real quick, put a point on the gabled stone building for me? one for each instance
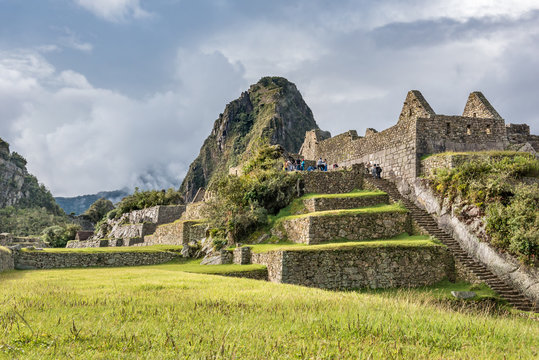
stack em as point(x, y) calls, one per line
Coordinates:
point(419, 132)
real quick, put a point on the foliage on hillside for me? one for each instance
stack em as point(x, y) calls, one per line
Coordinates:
point(511, 207)
point(57, 236)
point(98, 210)
point(145, 199)
point(38, 196)
point(32, 207)
point(241, 203)
point(29, 221)
point(270, 112)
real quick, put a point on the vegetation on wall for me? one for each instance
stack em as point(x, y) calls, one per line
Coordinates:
point(241, 203)
point(145, 199)
point(510, 206)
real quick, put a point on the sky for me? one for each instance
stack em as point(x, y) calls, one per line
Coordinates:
point(106, 94)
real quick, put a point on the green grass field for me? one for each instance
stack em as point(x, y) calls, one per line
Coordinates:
point(164, 312)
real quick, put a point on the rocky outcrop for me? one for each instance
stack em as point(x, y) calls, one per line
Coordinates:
point(18, 187)
point(271, 111)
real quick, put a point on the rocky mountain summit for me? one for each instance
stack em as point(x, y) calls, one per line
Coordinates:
point(272, 111)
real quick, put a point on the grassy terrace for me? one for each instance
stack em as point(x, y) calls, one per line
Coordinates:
point(356, 193)
point(5, 250)
point(153, 248)
point(164, 312)
point(404, 240)
point(365, 210)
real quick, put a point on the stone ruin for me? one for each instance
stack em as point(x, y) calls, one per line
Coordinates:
point(420, 131)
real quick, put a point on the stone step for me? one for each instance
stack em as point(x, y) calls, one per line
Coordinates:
point(427, 223)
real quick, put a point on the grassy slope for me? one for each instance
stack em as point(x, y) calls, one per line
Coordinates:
point(161, 312)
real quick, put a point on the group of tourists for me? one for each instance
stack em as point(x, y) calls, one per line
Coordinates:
point(299, 165)
point(374, 169)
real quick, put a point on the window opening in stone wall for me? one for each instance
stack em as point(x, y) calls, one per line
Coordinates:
point(474, 115)
point(487, 130)
point(447, 128)
point(409, 112)
point(468, 130)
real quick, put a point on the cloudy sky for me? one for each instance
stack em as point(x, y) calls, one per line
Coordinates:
point(103, 94)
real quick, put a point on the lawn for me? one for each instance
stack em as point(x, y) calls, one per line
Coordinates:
point(163, 312)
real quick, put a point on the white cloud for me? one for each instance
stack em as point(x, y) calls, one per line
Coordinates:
point(81, 139)
point(114, 10)
point(266, 48)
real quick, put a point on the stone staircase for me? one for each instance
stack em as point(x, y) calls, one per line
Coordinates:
point(479, 270)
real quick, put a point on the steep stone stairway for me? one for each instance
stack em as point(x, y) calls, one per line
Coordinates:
point(427, 222)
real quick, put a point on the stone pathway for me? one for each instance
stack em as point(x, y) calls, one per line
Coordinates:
point(429, 224)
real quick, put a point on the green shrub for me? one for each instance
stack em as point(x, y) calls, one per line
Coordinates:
point(494, 185)
point(58, 236)
point(145, 199)
point(28, 221)
point(98, 210)
point(242, 203)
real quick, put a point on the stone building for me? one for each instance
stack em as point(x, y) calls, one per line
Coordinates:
point(419, 132)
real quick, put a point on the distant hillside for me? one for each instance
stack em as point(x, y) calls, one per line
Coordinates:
point(272, 111)
point(80, 204)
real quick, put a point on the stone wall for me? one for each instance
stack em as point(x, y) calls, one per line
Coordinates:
point(372, 267)
point(132, 230)
point(456, 133)
point(7, 239)
point(503, 265)
point(242, 255)
point(194, 211)
point(332, 182)
point(419, 131)
point(322, 204)
point(520, 133)
point(273, 260)
point(25, 260)
point(156, 214)
point(363, 226)
point(6, 259)
point(180, 232)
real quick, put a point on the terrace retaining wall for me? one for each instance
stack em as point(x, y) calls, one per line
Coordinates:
point(332, 182)
point(26, 260)
point(322, 204)
point(372, 267)
point(362, 226)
